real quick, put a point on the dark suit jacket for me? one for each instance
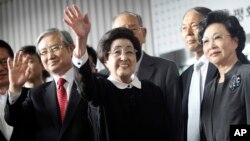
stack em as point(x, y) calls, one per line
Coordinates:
point(19, 131)
point(164, 73)
point(40, 112)
point(185, 81)
point(226, 104)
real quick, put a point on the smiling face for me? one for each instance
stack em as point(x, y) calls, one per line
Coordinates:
point(189, 30)
point(57, 59)
point(218, 45)
point(121, 60)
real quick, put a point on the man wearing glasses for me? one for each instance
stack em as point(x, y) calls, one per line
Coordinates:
point(5, 53)
point(55, 110)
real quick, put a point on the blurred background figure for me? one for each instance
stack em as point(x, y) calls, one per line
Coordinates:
point(35, 65)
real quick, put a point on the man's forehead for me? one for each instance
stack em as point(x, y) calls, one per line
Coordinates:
point(49, 39)
point(191, 17)
point(125, 20)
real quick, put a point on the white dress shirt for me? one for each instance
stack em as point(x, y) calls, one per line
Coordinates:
point(4, 127)
point(204, 68)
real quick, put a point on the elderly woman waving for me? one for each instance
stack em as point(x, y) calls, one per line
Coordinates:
point(132, 109)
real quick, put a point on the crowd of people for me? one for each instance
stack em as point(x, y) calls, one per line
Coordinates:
point(137, 97)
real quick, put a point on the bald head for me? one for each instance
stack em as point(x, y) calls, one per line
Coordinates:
point(133, 22)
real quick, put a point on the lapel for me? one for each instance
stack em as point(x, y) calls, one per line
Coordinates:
point(52, 104)
point(146, 69)
point(187, 81)
point(73, 103)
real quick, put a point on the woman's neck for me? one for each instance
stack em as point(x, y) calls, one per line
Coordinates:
point(223, 69)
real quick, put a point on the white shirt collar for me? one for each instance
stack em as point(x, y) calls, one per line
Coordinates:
point(67, 76)
point(135, 82)
point(203, 59)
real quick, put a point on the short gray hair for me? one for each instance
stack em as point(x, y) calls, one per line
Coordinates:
point(64, 36)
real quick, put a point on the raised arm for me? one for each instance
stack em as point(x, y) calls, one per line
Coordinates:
point(79, 23)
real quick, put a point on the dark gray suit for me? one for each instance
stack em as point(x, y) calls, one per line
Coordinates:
point(40, 112)
point(185, 81)
point(226, 104)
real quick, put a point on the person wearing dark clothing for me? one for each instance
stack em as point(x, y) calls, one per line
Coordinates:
point(226, 98)
point(132, 109)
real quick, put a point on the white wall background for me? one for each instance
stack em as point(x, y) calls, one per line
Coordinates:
point(21, 21)
point(167, 18)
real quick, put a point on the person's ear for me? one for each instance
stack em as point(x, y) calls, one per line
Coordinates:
point(235, 41)
point(144, 31)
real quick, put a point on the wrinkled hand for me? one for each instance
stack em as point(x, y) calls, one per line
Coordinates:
point(78, 22)
point(18, 72)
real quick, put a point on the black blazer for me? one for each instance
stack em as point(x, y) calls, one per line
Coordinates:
point(19, 131)
point(40, 113)
point(185, 81)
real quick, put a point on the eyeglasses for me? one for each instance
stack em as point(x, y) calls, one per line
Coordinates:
point(119, 52)
point(134, 29)
point(53, 49)
point(218, 38)
point(3, 62)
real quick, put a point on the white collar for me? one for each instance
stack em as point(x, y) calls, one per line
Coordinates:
point(67, 76)
point(203, 59)
point(135, 82)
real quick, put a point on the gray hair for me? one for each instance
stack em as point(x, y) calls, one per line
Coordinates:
point(64, 36)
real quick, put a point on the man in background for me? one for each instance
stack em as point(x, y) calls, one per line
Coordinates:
point(35, 65)
point(189, 30)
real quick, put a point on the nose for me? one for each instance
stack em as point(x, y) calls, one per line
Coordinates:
point(123, 56)
point(50, 54)
point(189, 30)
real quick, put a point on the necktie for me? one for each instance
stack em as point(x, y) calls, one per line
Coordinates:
point(194, 101)
point(62, 97)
